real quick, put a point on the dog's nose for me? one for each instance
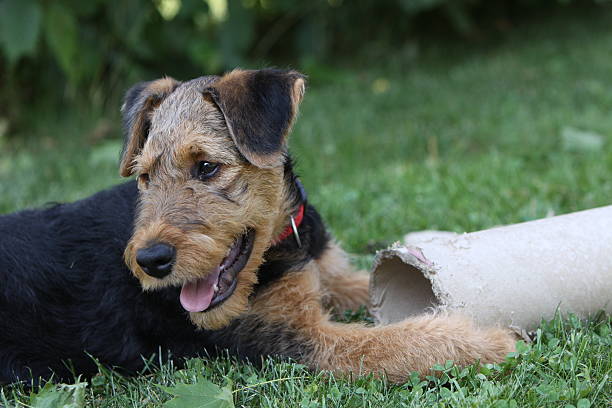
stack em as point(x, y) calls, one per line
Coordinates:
point(156, 260)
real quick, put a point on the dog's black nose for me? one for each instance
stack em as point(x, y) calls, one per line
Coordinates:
point(156, 260)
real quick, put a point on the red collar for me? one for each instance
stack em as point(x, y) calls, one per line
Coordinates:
point(292, 227)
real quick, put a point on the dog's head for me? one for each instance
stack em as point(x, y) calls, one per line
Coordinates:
point(209, 156)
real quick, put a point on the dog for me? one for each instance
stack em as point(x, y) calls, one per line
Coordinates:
point(213, 247)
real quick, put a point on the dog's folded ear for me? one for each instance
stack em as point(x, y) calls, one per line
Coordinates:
point(259, 107)
point(138, 104)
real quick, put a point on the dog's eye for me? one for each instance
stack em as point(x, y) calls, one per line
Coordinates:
point(206, 170)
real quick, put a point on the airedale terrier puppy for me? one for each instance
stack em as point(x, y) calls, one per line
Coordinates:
point(227, 252)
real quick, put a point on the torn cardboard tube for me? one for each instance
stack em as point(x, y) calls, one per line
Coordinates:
point(511, 276)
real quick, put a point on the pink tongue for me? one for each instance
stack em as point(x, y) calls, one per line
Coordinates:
point(196, 296)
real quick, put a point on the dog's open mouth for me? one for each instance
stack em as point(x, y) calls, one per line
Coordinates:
point(210, 291)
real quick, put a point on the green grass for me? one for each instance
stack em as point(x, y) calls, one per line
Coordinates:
point(459, 139)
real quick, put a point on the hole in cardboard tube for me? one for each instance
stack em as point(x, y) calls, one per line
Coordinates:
point(402, 291)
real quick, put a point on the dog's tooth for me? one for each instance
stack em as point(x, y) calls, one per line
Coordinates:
point(216, 287)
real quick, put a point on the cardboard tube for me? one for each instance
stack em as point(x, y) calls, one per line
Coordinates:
point(512, 276)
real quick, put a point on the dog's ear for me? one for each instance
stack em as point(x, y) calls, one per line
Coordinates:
point(259, 108)
point(138, 104)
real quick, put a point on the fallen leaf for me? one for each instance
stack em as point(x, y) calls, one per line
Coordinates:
point(59, 396)
point(202, 394)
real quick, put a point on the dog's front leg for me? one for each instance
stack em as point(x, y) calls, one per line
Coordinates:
point(342, 287)
point(294, 302)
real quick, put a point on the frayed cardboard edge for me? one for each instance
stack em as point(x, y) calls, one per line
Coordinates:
point(412, 257)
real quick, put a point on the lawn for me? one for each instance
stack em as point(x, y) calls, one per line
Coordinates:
point(460, 138)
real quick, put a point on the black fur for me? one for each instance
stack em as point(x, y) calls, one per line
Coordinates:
point(67, 293)
point(258, 109)
point(287, 256)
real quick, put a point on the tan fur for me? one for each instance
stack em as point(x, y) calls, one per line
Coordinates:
point(342, 289)
point(297, 94)
point(150, 99)
point(177, 209)
point(395, 350)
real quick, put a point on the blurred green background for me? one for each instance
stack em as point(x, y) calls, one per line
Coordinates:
point(420, 114)
point(61, 50)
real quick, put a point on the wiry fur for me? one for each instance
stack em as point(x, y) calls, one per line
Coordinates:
point(67, 291)
point(394, 350)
